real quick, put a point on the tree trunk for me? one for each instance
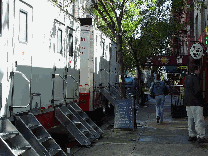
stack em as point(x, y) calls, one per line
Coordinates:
point(121, 66)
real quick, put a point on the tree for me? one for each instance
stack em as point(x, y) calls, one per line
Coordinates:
point(151, 38)
point(118, 19)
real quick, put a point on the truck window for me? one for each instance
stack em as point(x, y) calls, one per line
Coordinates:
point(103, 48)
point(23, 27)
point(59, 41)
point(70, 45)
point(0, 17)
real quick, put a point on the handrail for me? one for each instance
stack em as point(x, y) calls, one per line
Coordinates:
point(20, 106)
point(73, 78)
point(64, 88)
point(77, 86)
point(61, 77)
point(23, 75)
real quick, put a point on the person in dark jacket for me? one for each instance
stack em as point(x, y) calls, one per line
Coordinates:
point(193, 100)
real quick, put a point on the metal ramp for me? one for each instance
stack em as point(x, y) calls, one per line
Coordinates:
point(12, 143)
point(113, 94)
point(110, 97)
point(37, 136)
point(85, 120)
point(74, 126)
point(115, 90)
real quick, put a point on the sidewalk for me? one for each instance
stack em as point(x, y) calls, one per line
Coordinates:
point(169, 138)
point(150, 138)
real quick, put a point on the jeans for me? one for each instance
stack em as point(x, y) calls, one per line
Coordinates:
point(196, 123)
point(160, 99)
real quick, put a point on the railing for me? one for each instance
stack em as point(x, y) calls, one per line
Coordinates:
point(64, 89)
point(12, 78)
point(75, 89)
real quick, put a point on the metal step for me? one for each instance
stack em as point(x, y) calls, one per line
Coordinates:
point(21, 150)
point(44, 139)
point(12, 142)
point(77, 122)
point(8, 135)
point(73, 125)
point(85, 120)
point(52, 148)
point(36, 135)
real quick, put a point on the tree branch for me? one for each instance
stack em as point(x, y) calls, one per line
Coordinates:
point(106, 12)
point(103, 18)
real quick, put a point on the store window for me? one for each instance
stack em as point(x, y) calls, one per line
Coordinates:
point(59, 41)
point(23, 27)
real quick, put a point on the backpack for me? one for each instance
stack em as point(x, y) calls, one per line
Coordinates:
point(165, 90)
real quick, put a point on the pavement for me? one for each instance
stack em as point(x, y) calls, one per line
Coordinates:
point(149, 139)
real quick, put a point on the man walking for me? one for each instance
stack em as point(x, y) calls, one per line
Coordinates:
point(193, 100)
point(158, 88)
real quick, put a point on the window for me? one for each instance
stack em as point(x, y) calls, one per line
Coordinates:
point(196, 24)
point(23, 27)
point(103, 48)
point(0, 17)
point(59, 41)
point(116, 57)
point(110, 50)
point(70, 45)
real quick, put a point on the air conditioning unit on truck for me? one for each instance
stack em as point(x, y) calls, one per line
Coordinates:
point(39, 76)
point(98, 67)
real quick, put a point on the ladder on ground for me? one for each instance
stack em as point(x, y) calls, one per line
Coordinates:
point(12, 143)
point(78, 124)
point(37, 136)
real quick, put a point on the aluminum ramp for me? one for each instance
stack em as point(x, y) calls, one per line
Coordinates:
point(85, 120)
point(12, 143)
point(38, 136)
point(113, 94)
point(117, 92)
point(74, 126)
point(111, 98)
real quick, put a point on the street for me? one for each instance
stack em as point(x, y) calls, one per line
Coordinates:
point(150, 138)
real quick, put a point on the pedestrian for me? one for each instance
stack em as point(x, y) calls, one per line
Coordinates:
point(158, 88)
point(193, 100)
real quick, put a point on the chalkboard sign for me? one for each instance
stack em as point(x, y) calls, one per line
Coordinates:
point(124, 114)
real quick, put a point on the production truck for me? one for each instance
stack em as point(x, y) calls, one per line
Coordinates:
point(98, 68)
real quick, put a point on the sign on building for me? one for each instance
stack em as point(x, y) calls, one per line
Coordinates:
point(196, 51)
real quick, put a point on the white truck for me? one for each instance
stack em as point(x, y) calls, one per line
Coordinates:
point(98, 66)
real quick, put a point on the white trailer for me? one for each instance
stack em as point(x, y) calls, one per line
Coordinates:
point(98, 67)
point(39, 75)
point(38, 39)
